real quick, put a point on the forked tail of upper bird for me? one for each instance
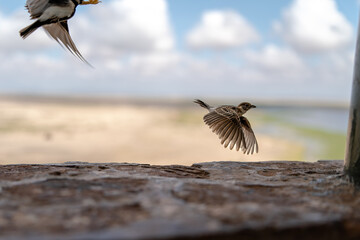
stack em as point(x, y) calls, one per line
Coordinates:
point(26, 31)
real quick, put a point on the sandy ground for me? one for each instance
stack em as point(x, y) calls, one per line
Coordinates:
point(34, 132)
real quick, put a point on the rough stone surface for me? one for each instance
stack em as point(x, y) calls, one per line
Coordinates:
point(219, 200)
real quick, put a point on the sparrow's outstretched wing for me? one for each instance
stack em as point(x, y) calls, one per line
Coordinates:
point(60, 32)
point(36, 7)
point(249, 136)
point(232, 129)
point(227, 127)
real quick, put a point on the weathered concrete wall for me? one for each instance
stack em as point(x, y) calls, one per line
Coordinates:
point(221, 200)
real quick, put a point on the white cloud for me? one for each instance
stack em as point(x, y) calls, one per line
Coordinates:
point(273, 58)
point(314, 26)
point(274, 64)
point(154, 63)
point(10, 40)
point(221, 30)
point(126, 26)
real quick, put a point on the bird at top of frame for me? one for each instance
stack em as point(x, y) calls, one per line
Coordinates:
point(53, 16)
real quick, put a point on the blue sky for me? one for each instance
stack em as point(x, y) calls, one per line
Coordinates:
point(183, 48)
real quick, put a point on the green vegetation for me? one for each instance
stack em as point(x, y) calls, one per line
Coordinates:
point(12, 125)
point(331, 144)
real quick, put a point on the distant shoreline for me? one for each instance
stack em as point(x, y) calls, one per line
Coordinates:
point(165, 101)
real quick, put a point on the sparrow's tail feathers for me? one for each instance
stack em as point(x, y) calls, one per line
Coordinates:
point(25, 32)
point(202, 104)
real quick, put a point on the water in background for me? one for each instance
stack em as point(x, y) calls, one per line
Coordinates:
point(320, 131)
point(328, 119)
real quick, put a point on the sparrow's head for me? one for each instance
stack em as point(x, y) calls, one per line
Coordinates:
point(245, 106)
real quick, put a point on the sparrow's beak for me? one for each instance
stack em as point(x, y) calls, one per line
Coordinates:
point(253, 106)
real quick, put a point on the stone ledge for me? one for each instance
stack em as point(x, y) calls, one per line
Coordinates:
point(218, 200)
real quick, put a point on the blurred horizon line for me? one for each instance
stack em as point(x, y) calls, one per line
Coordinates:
point(170, 101)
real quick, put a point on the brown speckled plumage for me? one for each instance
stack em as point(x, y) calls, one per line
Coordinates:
point(232, 128)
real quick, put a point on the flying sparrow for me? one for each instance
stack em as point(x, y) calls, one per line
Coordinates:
point(232, 128)
point(52, 15)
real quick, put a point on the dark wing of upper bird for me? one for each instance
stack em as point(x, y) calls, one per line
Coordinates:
point(60, 32)
point(232, 129)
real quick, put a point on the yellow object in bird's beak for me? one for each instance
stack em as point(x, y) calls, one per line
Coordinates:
point(90, 2)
